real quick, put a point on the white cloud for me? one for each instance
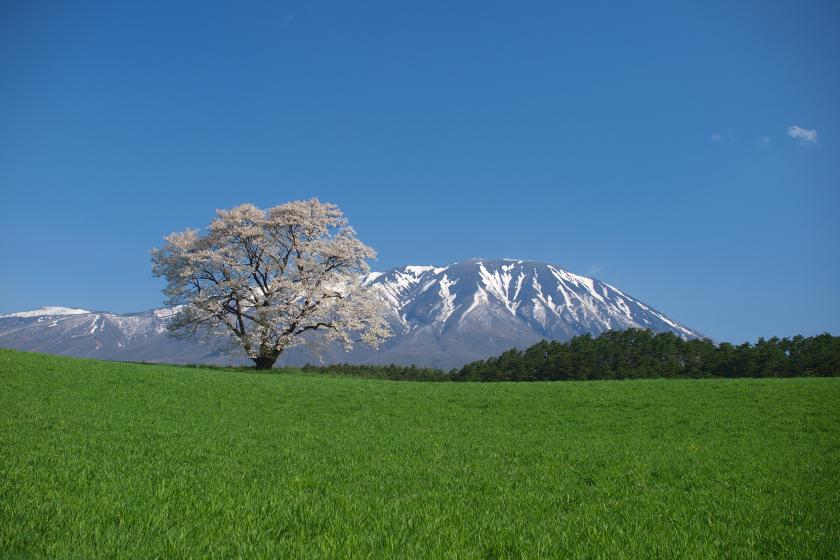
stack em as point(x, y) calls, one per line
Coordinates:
point(764, 139)
point(804, 136)
point(715, 137)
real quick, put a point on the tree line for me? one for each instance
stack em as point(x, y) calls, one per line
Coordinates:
point(631, 354)
point(637, 353)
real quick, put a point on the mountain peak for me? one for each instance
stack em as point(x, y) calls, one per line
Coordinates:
point(47, 312)
point(552, 301)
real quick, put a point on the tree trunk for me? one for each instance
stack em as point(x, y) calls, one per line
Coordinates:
point(265, 362)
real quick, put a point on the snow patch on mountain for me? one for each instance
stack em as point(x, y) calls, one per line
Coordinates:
point(47, 312)
point(447, 299)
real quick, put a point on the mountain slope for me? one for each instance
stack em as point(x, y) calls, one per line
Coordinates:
point(108, 336)
point(440, 316)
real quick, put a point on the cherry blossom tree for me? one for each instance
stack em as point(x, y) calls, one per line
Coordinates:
point(270, 279)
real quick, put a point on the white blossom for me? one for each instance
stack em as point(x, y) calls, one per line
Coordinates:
point(268, 278)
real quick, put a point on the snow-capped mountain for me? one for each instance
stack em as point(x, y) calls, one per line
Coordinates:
point(47, 311)
point(450, 315)
point(440, 316)
point(108, 336)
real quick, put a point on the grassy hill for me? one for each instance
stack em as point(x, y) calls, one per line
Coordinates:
point(114, 460)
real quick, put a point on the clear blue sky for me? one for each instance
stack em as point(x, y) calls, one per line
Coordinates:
point(646, 145)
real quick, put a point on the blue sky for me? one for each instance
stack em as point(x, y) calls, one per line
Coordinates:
point(648, 144)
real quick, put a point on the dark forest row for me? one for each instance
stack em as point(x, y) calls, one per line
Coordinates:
point(630, 354)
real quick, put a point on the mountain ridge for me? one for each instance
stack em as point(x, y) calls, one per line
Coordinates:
point(441, 316)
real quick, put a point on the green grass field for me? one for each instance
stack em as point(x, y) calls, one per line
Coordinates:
point(107, 460)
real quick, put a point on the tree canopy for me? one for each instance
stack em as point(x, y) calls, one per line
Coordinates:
point(630, 354)
point(268, 279)
point(637, 353)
